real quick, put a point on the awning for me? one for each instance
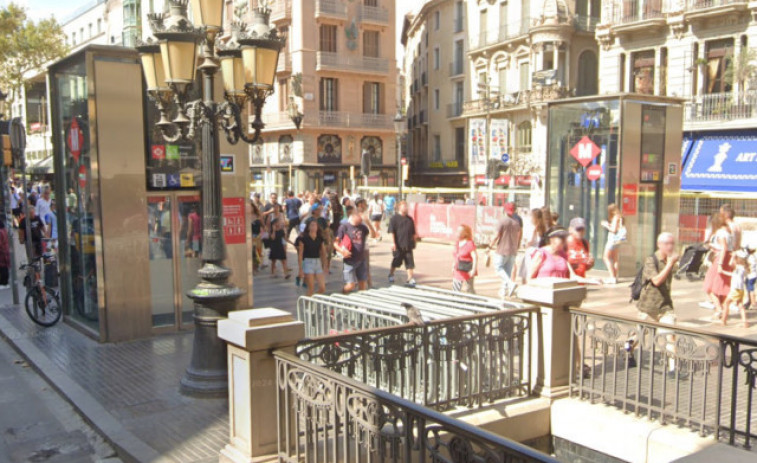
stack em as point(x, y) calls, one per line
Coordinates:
point(45, 166)
point(721, 164)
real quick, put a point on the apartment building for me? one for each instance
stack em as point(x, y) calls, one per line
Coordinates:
point(338, 70)
point(436, 88)
point(523, 55)
point(702, 51)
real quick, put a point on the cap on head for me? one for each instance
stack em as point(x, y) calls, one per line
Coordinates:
point(578, 223)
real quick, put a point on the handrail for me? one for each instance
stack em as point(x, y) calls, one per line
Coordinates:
point(460, 428)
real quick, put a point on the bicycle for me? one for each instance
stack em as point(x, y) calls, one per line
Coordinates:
point(42, 302)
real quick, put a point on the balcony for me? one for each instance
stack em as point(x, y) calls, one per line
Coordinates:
point(355, 120)
point(280, 10)
point(455, 109)
point(285, 63)
point(327, 61)
point(586, 23)
point(700, 9)
point(330, 9)
point(632, 20)
point(372, 15)
point(277, 120)
point(546, 93)
point(456, 68)
point(721, 107)
point(506, 33)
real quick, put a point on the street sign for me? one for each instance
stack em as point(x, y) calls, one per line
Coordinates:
point(83, 176)
point(75, 139)
point(403, 161)
point(18, 135)
point(594, 172)
point(505, 158)
point(585, 151)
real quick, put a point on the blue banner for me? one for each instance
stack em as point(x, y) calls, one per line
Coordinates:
point(721, 164)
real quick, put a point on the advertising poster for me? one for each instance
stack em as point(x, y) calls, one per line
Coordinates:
point(234, 229)
point(498, 146)
point(630, 195)
point(441, 221)
point(477, 144)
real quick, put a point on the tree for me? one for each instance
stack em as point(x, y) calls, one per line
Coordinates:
point(26, 46)
point(742, 69)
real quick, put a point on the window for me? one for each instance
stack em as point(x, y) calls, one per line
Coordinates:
point(460, 146)
point(283, 94)
point(329, 94)
point(643, 72)
point(373, 93)
point(371, 3)
point(694, 75)
point(436, 99)
point(459, 58)
point(73, 38)
point(663, 71)
point(81, 33)
point(502, 80)
point(525, 76)
point(437, 20)
point(482, 20)
point(437, 58)
point(99, 25)
point(524, 137)
point(587, 74)
point(459, 93)
point(503, 20)
point(719, 56)
point(90, 30)
point(622, 73)
point(371, 44)
point(328, 38)
point(437, 148)
point(548, 57)
point(459, 17)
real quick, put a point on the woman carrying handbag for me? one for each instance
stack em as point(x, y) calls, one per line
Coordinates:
point(465, 266)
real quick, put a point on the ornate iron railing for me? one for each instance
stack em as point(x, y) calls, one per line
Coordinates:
point(326, 417)
point(669, 373)
point(721, 107)
point(463, 361)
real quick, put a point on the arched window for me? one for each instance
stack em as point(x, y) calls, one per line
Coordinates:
point(524, 137)
point(587, 74)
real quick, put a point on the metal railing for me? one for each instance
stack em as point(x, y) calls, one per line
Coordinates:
point(326, 417)
point(703, 4)
point(456, 68)
point(505, 33)
point(280, 9)
point(586, 23)
point(455, 109)
point(673, 374)
point(277, 119)
point(372, 14)
point(331, 8)
point(324, 318)
point(354, 120)
point(721, 107)
point(463, 361)
point(331, 60)
point(633, 15)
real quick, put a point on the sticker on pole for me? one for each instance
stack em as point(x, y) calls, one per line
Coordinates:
point(505, 158)
point(594, 172)
point(585, 151)
point(75, 139)
point(83, 176)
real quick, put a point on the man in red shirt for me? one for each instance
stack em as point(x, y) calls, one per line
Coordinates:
point(579, 255)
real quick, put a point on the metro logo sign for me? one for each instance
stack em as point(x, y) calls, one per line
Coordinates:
point(585, 151)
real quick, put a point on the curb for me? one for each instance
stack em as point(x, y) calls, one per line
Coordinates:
point(129, 447)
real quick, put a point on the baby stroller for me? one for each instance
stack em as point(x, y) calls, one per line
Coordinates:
point(693, 263)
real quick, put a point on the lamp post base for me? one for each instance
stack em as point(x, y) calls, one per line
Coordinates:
point(207, 373)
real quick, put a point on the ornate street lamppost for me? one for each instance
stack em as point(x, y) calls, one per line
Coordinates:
point(248, 64)
point(399, 126)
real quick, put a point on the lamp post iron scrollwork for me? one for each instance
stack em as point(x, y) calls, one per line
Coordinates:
point(248, 63)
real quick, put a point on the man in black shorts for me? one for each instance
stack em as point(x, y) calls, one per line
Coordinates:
point(402, 229)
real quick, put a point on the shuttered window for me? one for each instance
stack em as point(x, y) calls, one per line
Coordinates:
point(371, 44)
point(329, 97)
point(373, 98)
point(328, 38)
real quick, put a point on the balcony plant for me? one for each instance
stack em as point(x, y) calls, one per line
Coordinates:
point(742, 71)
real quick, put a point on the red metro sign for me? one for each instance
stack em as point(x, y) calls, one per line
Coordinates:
point(585, 151)
point(594, 172)
point(75, 140)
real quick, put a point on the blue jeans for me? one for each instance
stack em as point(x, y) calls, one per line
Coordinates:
point(503, 265)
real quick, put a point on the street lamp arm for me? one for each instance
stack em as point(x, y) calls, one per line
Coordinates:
point(229, 119)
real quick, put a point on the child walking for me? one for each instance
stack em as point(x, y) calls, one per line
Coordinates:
point(738, 286)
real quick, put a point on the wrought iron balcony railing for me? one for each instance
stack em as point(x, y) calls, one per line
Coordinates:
point(706, 4)
point(669, 373)
point(338, 61)
point(331, 9)
point(456, 68)
point(504, 34)
point(372, 14)
point(354, 120)
point(326, 417)
point(280, 9)
point(455, 109)
point(721, 107)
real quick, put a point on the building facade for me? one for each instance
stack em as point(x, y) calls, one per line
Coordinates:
point(702, 51)
point(523, 55)
point(436, 88)
point(338, 70)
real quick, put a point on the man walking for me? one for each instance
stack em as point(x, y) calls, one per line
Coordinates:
point(507, 241)
point(404, 236)
point(657, 277)
point(351, 243)
point(292, 205)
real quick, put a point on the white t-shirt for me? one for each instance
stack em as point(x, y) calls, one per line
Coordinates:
point(752, 264)
point(737, 278)
point(376, 207)
point(43, 207)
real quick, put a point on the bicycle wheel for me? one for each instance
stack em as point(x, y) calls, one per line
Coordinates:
point(44, 313)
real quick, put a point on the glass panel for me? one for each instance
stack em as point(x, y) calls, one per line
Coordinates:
point(80, 282)
point(161, 261)
point(647, 203)
point(189, 218)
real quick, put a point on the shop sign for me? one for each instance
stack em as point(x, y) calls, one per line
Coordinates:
point(594, 172)
point(227, 163)
point(442, 165)
point(630, 197)
point(158, 152)
point(585, 151)
point(172, 152)
point(75, 139)
point(187, 180)
point(159, 180)
point(234, 229)
point(174, 180)
point(83, 176)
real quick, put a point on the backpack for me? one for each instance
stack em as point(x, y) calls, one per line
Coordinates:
point(639, 284)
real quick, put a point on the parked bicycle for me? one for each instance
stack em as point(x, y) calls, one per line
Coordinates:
point(42, 302)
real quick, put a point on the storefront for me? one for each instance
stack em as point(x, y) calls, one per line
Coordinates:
point(132, 202)
point(624, 150)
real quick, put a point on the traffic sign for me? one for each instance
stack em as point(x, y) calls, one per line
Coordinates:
point(594, 172)
point(403, 161)
point(75, 139)
point(505, 158)
point(585, 151)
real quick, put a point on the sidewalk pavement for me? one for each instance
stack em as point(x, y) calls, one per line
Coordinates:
point(130, 391)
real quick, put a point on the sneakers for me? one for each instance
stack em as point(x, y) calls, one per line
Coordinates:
point(411, 282)
point(611, 281)
point(707, 305)
point(391, 279)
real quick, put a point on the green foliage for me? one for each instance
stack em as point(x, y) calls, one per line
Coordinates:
point(742, 67)
point(297, 84)
point(26, 46)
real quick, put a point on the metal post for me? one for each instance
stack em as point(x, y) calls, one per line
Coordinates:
point(9, 227)
point(213, 296)
point(487, 141)
point(400, 167)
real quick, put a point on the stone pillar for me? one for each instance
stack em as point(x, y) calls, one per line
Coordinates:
point(551, 332)
point(251, 336)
